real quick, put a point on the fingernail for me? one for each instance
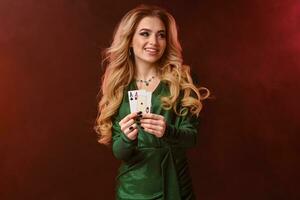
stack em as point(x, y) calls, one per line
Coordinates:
point(142, 127)
point(140, 116)
point(140, 112)
point(130, 128)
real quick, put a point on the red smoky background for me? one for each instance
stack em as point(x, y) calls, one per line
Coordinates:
point(246, 52)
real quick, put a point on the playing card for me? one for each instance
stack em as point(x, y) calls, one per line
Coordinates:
point(133, 97)
point(140, 100)
point(148, 104)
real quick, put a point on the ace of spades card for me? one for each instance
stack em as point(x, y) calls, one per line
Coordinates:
point(133, 97)
point(139, 100)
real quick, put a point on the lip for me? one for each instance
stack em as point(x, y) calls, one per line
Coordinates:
point(152, 51)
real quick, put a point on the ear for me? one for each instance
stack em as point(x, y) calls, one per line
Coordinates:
point(130, 45)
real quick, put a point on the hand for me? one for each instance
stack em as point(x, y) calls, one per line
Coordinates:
point(154, 124)
point(128, 126)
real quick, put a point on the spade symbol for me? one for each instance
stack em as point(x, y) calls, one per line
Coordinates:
point(131, 98)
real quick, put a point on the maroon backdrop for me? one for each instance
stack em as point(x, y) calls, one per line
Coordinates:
point(246, 52)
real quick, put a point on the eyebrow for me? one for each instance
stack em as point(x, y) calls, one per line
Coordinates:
point(146, 29)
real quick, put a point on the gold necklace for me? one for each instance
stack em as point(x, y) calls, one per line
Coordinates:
point(147, 82)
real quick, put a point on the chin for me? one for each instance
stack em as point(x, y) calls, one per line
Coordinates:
point(151, 60)
point(148, 59)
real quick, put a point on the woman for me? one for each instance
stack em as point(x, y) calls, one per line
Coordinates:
point(146, 54)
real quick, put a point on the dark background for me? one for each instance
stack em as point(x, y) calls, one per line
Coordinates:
point(246, 52)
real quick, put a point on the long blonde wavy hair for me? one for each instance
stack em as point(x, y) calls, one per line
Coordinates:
point(120, 70)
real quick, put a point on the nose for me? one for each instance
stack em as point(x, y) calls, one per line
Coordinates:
point(153, 39)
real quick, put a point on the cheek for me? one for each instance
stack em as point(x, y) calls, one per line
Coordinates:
point(135, 42)
point(163, 45)
point(138, 42)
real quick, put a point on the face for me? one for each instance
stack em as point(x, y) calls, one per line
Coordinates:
point(149, 40)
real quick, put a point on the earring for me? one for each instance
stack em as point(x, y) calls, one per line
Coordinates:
point(130, 51)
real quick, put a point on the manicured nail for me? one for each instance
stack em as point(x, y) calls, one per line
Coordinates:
point(140, 112)
point(142, 127)
point(130, 128)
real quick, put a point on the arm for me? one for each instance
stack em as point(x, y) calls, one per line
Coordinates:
point(183, 132)
point(123, 147)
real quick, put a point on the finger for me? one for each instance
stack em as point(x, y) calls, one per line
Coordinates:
point(153, 122)
point(129, 129)
point(127, 118)
point(133, 134)
point(128, 124)
point(153, 116)
point(153, 132)
point(139, 116)
point(152, 127)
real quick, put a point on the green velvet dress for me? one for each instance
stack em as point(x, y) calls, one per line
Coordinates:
point(154, 168)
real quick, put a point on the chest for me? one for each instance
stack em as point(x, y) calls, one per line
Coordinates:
point(150, 87)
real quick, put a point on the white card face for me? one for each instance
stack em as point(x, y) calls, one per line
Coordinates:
point(148, 104)
point(133, 97)
point(142, 101)
point(139, 100)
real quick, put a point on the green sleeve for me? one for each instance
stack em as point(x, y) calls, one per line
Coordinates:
point(183, 132)
point(123, 147)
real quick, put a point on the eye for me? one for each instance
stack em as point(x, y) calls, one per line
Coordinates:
point(145, 34)
point(162, 35)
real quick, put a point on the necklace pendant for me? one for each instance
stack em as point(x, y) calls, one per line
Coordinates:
point(146, 82)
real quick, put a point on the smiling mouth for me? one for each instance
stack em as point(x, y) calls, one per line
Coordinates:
point(152, 51)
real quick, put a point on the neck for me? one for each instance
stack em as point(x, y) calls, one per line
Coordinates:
point(145, 71)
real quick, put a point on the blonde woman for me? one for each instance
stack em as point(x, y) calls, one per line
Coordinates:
point(146, 54)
